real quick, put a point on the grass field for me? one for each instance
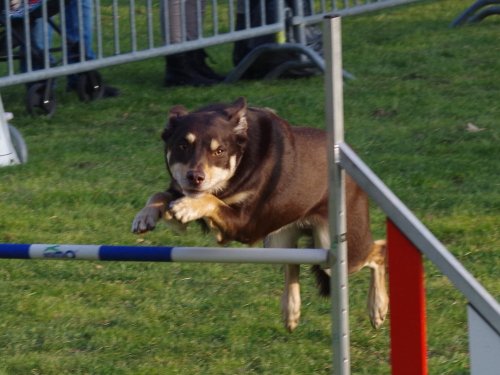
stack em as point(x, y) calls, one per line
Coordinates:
point(92, 166)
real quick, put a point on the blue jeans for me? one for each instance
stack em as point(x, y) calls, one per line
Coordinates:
point(72, 29)
point(72, 35)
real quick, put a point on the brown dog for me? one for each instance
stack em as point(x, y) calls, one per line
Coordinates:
point(251, 176)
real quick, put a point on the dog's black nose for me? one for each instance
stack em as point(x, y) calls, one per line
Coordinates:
point(195, 177)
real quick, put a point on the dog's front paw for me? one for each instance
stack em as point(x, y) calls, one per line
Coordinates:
point(186, 209)
point(146, 219)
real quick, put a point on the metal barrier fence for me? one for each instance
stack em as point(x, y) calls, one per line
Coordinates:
point(127, 31)
point(121, 32)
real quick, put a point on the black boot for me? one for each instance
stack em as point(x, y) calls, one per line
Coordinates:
point(181, 70)
point(199, 58)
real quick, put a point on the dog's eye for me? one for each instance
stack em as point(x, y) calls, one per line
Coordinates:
point(183, 146)
point(220, 151)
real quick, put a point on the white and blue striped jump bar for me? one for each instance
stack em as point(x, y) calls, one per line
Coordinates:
point(163, 254)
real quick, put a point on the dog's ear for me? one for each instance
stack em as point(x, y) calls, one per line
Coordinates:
point(236, 113)
point(177, 111)
point(237, 109)
point(174, 113)
point(166, 133)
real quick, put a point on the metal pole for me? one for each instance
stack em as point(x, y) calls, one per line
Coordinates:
point(338, 259)
point(163, 253)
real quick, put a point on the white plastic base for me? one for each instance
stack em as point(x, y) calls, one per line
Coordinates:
point(8, 155)
point(12, 147)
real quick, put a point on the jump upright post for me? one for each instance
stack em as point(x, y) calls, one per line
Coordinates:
point(408, 346)
point(334, 110)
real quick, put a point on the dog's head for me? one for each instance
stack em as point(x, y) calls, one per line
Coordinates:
point(203, 148)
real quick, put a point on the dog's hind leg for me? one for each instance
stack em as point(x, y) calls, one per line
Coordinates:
point(290, 302)
point(321, 237)
point(378, 300)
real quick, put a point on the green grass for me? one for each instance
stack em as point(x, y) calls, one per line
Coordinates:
point(92, 166)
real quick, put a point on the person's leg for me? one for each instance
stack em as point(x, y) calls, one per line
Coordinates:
point(182, 19)
point(37, 46)
point(74, 11)
point(37, 49)
point(184, 23)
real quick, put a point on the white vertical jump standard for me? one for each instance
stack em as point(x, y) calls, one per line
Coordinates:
point(334, 111)
point(9, 139)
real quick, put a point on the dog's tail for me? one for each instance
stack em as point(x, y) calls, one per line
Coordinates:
point(322, 280)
